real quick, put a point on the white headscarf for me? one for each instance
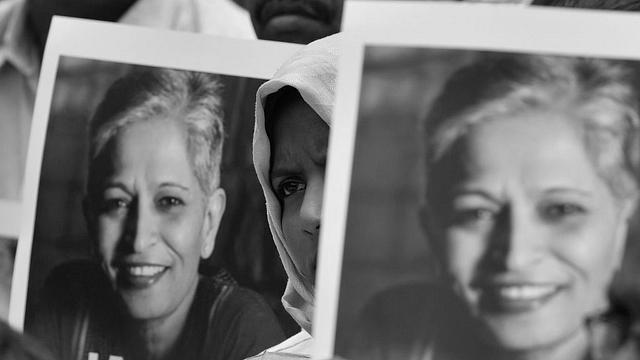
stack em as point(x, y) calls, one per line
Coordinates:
point(312, 71)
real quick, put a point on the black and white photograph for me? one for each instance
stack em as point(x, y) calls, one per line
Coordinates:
point(270, 179)
point(489, 195)
point(24, 26)
point(146, 217)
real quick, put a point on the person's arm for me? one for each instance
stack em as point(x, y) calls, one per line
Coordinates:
point(394, 324)
point(15, 346)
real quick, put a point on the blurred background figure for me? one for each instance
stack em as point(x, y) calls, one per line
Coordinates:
point(297, 21)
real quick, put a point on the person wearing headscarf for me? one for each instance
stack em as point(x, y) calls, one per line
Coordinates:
point(293, 120)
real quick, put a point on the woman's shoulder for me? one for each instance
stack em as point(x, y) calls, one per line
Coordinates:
point(225, 293)
point(74, 282)
point(398, 322)
point(75, 295)
point(14, 345)
point(242, 308)
point(79, 271)
point(416, 301)
point(240, 322)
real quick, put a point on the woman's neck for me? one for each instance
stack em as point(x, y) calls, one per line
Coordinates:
point(159, 337)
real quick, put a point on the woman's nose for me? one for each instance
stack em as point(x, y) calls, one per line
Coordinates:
point(141, 228)
point(311, 208)
point(518, 242)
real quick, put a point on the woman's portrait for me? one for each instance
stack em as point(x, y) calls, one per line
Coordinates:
point(530, 184)
point(153, 205)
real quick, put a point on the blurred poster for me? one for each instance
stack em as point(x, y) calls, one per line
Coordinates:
point(460, 221)
point(82, 60)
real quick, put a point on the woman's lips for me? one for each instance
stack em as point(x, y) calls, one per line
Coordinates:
point(139, 276)
point(516, 298)
point(526, 292)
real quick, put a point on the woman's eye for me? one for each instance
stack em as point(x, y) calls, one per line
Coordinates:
point(559, 211)
point(473, 216)
point(169, 202)
point(290, 187)
point(114, 205)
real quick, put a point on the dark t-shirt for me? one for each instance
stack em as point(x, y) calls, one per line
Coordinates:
point(79, 318)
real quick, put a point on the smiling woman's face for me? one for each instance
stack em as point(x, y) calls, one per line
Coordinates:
point(530, 233)
point(150, 219)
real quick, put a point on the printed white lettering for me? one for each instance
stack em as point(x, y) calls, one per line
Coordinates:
point(94, 356)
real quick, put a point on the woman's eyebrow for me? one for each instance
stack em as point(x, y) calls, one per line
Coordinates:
point(117, 185)
point(173, 184)
point(281, 169)
point(565, 190)
point(471, 191)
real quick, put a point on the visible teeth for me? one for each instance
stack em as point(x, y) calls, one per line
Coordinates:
point(526, 292)
point(147, 270)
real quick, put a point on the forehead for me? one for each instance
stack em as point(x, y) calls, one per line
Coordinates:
point(153, 133)
point(535, 133)
point(536, 148)
point(157, 147)
point(296, 125)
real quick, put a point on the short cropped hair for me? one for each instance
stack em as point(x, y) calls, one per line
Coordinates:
point(190, 98)
point(598, 95)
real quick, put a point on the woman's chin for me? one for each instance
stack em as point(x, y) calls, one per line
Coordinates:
point(523, 316)
point(144, 298)
point(156, 296)
point(143, 304)
point(527, 331)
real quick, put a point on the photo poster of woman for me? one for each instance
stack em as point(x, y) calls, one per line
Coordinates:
point(473, 214)
point(139, 173)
